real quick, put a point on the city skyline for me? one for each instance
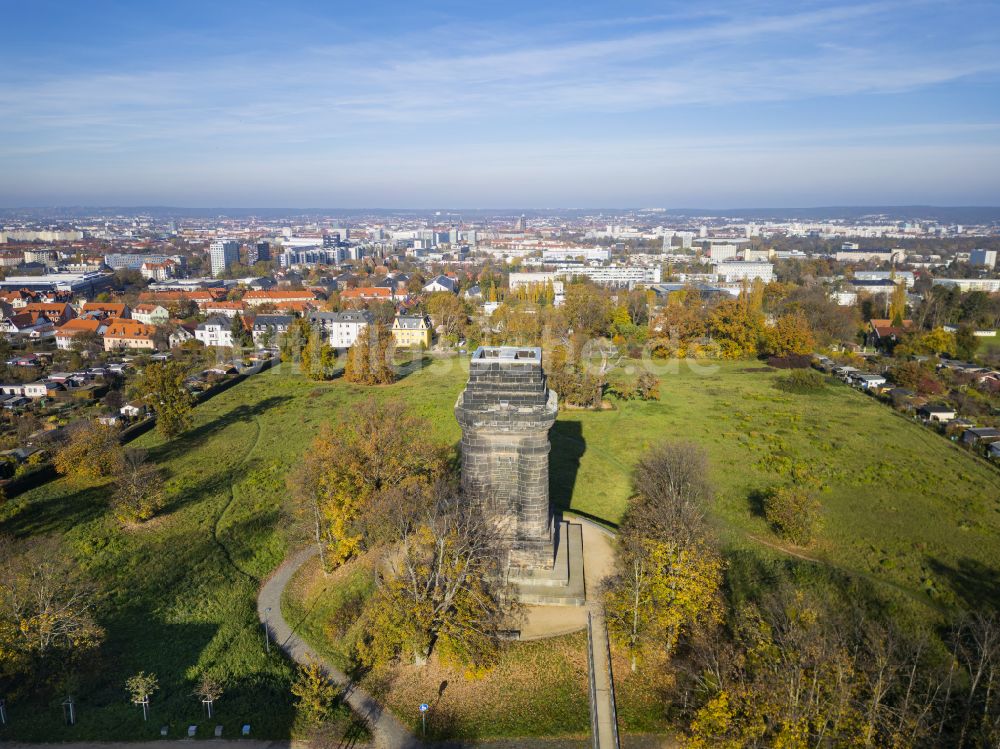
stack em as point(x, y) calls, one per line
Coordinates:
point(566, 105)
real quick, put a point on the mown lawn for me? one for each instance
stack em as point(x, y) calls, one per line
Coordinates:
point(904, 511)
point(900, 503)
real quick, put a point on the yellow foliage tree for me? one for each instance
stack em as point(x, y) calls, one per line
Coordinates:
point(662, 589)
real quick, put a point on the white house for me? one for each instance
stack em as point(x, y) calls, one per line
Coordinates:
point(869, 381)
point(441, 283)
point(180, 335)
point(36, 389)
point(215, 331)
point(150, 314)
point(341, 328)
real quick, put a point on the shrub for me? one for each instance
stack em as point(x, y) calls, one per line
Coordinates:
point(801, 381)
point(793, 512)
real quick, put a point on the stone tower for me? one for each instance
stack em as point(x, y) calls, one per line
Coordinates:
point(505, 412)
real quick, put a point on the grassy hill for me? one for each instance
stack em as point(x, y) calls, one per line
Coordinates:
point(904, 511)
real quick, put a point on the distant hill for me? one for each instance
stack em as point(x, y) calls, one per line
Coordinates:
point(972, 215)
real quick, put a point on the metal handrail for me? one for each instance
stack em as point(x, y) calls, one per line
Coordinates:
point(593, 683)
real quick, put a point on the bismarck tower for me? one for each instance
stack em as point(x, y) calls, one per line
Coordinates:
point(505, 412)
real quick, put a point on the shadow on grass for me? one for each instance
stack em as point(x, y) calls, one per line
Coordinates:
point(756, 499)
point(58, 512)
point(201, 434)
point(568, 447)
point(976, 586)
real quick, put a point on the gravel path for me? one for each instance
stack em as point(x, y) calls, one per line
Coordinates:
point(387, 731)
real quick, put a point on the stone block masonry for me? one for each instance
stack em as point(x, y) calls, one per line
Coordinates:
point(505, 412)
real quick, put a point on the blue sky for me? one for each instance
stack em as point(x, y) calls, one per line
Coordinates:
point(487, 104)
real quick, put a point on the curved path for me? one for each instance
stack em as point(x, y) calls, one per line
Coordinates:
point(387, 731)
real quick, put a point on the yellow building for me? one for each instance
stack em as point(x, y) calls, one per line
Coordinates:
point(412, 330)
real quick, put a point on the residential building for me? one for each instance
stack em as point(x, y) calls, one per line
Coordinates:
point(441, 283)
point(882, 332)
point(268, 328)
point(983, 258)
point(158, 271)
point(182, 333)
point(122, 261)
point(618, 276)
point(105, 309)
point(25, 325)
point(258, 252)
point(66, 332)
point(225, 308)
point(341, 329)
point(256, 298)
point(368, 293)
point(56, 312)
point(855, 255)
point(222, 253)
point(989, 285)
point(215, 331)
point(732, 271)
point(150, 314)
point(587, 254)
point(412, 331)
point(128, 334)
point(539, 279)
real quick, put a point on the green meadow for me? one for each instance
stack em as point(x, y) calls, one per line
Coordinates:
point(905, 513)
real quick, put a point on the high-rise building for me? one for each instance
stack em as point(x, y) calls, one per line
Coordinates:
point(223, 253)
point(258, 252)
point(987, 258)
point(522, 224)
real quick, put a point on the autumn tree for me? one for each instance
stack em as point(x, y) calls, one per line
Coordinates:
point(376, 448)
point(444, 590)
point(369, 360)
point(789, 335)
point(318, 359)
point(736, 327)
point(240, 334)
point(936, 342)
point(897, 304)
point(46, 608)
point(296, 338)
point(92, 450)
point(161, 387)
point(315, 694)
point(588, 309)
point(138, 490)
point(208, 690)
point(449, 313)
point(667, 574)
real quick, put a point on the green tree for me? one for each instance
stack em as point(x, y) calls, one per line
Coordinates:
point(161, 387)
point(794, 512)
point(240, 335)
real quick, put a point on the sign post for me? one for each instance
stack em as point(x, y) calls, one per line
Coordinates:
point(424, 707)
